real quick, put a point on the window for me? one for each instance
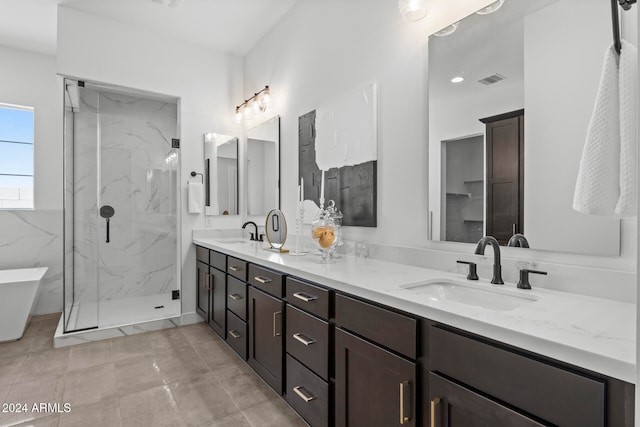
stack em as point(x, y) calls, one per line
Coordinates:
point(16, 157)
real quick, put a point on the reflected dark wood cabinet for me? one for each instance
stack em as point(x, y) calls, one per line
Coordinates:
point(266, 328)
point(505, 175)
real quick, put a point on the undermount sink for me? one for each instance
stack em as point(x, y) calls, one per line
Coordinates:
point(473, 294)
point(235, 241)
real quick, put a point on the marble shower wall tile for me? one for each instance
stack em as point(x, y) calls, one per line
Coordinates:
point(33, 238)
point(138, 178)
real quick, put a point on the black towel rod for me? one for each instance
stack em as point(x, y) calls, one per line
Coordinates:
point(615, 19)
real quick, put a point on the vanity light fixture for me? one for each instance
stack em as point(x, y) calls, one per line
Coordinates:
point(258, 103)
point(413, 10)
point(490, 8)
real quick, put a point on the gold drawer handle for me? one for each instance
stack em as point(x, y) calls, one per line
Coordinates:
point(304, 297)
point(304, 340)
point(233, 268)
point(434, 403)
point(235, 297)
point(263, 280)
point(403, 416)
point(234, 334)
point(299, 392)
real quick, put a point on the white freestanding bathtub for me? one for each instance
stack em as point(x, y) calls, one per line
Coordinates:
point(18, 290)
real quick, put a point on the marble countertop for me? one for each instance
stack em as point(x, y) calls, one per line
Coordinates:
point(593, 333)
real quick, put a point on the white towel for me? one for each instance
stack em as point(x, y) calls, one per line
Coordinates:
point(194, 190)
point(607, 180)
point(628, 201)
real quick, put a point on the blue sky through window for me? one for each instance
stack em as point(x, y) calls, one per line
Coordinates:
point(16, 147)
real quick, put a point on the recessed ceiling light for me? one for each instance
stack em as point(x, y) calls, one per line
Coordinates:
point(457, 79)
point(491, 8)
point(447, 30)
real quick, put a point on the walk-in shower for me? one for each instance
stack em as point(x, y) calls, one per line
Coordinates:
point(121, 216)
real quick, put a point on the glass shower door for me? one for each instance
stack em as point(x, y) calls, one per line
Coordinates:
point(121, 208)
point(138, 183)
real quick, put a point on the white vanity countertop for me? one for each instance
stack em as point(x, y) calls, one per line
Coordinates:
point(593, 333)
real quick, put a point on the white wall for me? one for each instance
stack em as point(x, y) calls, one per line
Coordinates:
point(206, 82)
point(30, 238)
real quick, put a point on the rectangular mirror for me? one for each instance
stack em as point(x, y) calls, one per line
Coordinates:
point(221, 174)
point(263, 168)
point(510, 99)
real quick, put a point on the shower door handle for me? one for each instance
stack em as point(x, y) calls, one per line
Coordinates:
point(107, 212)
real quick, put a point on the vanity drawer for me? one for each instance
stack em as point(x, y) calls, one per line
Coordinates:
point(237, 297)
point(308, 340)
point(202, 254)
point(559, 396)
point(383, 326)
point(307, 394)
point(308, 297)
point(237, 267)
point(218, 260)
point(267, 280)
point(237, 334)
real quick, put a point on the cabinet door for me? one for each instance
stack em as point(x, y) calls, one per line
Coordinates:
point(373, 386)
point(218, 298)
point(452, 405)
point(202, 296)
point(265, 337)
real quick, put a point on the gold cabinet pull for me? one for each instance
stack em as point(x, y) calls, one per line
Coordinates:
point(298, 390)
point(234, 334)
point(434, 404)
point(304, 297)
point(275, 333)
point(234, 268)
point(207, 280)
point(263, 280)
point(403, 416)
point(235, 297)
point(304, 340)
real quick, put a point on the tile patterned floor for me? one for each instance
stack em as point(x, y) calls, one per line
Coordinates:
point(184, 376)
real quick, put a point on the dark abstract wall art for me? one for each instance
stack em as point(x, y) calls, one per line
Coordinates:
point(353, 188)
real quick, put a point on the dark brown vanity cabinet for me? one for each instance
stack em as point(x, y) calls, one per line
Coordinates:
point(308, 343)
point(266, 344)
point(376, 372)
point(477, 382)
point(353, 362)
point(453, 405)
point(237, 330)
point(211, 288)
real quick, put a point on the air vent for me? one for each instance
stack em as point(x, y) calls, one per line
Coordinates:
point(495, 78)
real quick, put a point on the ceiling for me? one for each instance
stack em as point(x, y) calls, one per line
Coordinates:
point(232, 26)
